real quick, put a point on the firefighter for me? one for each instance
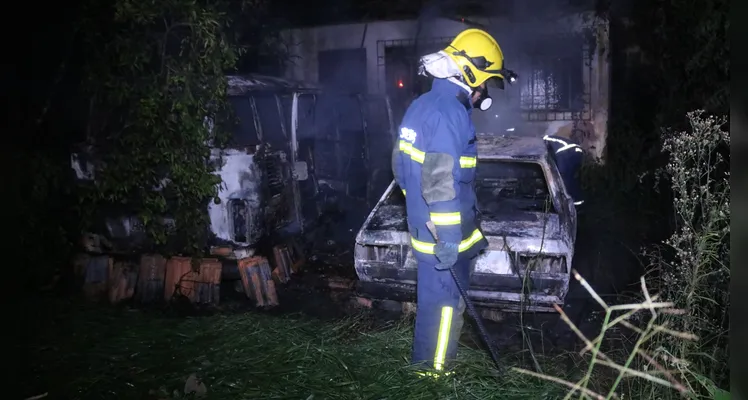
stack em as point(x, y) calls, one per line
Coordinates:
point(568, 155)
point(434, 163)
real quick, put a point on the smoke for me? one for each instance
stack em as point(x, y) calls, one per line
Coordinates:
point(538, 43)
point(429, 13)
point(520, 27)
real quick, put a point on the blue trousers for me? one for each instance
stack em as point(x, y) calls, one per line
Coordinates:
point(439, 314)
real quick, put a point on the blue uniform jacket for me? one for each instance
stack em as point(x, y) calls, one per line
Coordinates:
point(568, 155)
point(434, 163)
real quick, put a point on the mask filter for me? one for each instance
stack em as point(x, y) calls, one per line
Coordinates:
point(484, 101)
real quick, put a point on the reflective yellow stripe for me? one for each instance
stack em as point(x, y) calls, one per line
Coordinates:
point(403, 192)
point(434, 374)
point(443, 339)
point(428, 248)
point(468, 162)
point(474, 238)
point(452, 218)
point(418, 156)
point(415, 154)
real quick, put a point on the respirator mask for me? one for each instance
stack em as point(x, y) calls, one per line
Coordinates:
point(483, 101)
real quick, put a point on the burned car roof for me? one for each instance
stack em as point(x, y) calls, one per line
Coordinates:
point(505, 147)
point(241, 84)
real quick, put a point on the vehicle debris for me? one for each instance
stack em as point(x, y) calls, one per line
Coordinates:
point(296, 145)
point(295, 148)
point(526, 215)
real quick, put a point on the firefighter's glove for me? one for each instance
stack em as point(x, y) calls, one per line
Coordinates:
point(446, 253)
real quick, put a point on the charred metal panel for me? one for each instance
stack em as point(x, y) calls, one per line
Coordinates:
point(389, 218)
point(278, 193)
point(255, 196)
point(530, 225)
point(524, 216)
point(236, 217)
point(377, 238)
point(272, 150)
point(241, 84)
point(567, 219)
point(241, 219)
point(502, 147)
point(539, 291)
point(545, 264)
point(384, 255)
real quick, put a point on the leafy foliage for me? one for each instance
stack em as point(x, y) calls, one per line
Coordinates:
point(691, 56)
point(156, 77)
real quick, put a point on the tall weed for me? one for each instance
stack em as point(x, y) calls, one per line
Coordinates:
point(692, 267)
point(681, 347)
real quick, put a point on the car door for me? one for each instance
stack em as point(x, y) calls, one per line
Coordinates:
point(276, 164)
point(567, 212)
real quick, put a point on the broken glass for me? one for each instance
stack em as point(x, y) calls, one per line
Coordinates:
point(270, 120)
point(507, 187)
point(306, 113)
point(245, 131)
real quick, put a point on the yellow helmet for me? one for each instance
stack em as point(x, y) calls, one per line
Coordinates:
point(479, 57)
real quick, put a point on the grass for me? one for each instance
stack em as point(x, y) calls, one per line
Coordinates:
point(95, 352)
point(89, 352)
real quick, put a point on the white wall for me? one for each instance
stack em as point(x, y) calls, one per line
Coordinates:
point(304, 45)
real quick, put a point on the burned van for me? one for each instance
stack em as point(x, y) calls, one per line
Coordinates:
point(526, 214)
point(292, 142)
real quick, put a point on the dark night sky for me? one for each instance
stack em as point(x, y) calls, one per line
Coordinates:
point(31, 77)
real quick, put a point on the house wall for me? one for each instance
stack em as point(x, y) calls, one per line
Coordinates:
point(305, 44)
point(588, 127)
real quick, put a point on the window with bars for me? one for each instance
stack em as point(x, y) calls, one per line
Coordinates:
point(552, 77)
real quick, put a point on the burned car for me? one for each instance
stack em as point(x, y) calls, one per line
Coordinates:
point(526, 214)
point(292, 142)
